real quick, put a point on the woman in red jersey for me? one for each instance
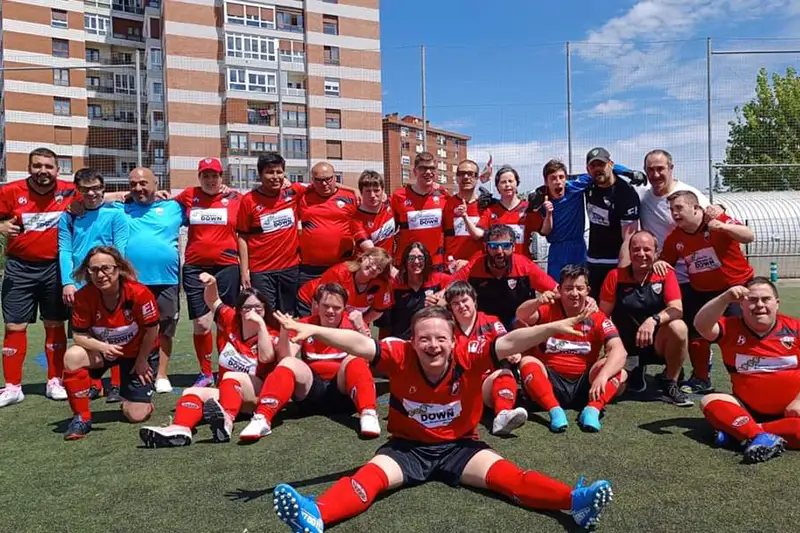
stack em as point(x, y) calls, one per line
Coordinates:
point(510, 210)
point(246, 345)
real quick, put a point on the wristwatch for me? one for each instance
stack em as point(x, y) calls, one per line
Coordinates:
point(657, 318)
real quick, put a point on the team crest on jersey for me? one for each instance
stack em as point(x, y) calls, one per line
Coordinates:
point(436, 199)
point(370, 224)
point(412, 389)
point(22, 200)
point(59, 198)
point(196, 200)
point(408, 203)
point(259, 207)
point(707, 235)
point(159, 210)
point(340, 204)
point(97, 316)
point(455, 388)
point(127, 314)
point(494, 216)
point(586, 327)
point(512, 284)
point(679, 246)
point(657, 287)
point(741, 340)
point(225, 201)
point(787, 342)
point(607, 201)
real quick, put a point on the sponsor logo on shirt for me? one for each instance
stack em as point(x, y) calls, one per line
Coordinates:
point(598, 215)
point(518, 232)
point(608, 326)
point(117, 336)
point(432, 415)
point(512, 283)
point(755, 364)
point(563, 346)
point(231, 359)
point(211, 217)
point(425, 219)
point(384, 232)
point(277, 221)
point(149, 310)
point(40, 221)
point(703, 260)
point(741, 340)
point(460, 226)
point(499, 328)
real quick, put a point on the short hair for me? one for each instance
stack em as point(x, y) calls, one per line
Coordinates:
point(499, 231)
point(426, 157)
point(554, 165)
point(125, 268)
point(458, 289)
point(659, 151)
point(269, 317)
point(570, 272)
point(434, 311)
point(643, 231)
point(427, 269)
point(502, 170)
point(330, 288)
point(270, 159)
point(471, 162)
point(691, 197)
point(761, 280)
point(42, 152)
point(370, 178)
point(88, 174)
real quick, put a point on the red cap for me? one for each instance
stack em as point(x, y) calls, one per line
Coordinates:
point(210, 163)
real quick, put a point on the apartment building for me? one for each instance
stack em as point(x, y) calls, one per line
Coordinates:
point(403, 139)
point(218, 79)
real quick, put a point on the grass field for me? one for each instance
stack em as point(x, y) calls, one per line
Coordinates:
point(666, 477)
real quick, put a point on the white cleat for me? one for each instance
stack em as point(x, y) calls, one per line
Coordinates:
point(165, 437)
point(55, 390)
point(508, 420)
point(370, 424)
point(163, 386)
point(11, 394)
point(257, 428)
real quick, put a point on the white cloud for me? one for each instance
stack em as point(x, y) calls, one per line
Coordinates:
point(613, 108)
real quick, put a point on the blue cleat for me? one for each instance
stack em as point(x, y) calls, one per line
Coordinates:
point(558, 420)
point(590, 419)
point(204, 380)
point(589, 502)
point(78, 428)
point(297, 511)
point(763, 447)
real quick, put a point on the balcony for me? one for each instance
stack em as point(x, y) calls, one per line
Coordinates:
point(292, 91)
point(257, 119)
point(129, 37)
point(98, 3)
point(127, 8)
point(157, 126)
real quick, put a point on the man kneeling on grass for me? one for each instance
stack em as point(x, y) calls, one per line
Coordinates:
point(434, 409)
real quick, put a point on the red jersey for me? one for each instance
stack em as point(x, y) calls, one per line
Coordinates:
point(377, 295)
point(324, 360)
point(485, 330)
point(377, 227)
point(428, 412)
point(38, 216)
point(572, 355)
point(237, 354)
point(212, 227)
point(326, 238)
point(457, 240)
point(764, 368)
point(419, 218)
point(269, 225)
point(123, 326)
point(515, 218)
point(715, 261)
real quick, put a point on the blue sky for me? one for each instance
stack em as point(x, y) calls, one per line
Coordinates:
point(496, 71)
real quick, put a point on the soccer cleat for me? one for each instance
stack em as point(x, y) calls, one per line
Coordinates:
point(221, 423)
point(370, 424)
point(674, 395)
point(11, 395)
point(204, 380)
point(558, 420)
point(298, 512)
point(722, 439)
point(95, 392)
point(637, 381)
point(163, 386)
point(589, 420)
point(763, 447)
point(257, 428)
point(78, 428)
point(55, 390)
point(113, 395)
point(588, 502)
point(508, 420)
point(695, 385)
point(165, 437)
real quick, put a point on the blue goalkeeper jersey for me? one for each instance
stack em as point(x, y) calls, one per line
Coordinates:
point(153, 243)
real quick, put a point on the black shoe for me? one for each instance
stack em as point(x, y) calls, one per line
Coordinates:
point(663, 379)
point(113, 395)
point(636, 379)
point(94, 392)
point(78, 428)
point(674, 395)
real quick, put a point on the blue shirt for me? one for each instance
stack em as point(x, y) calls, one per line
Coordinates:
point(105, 226)
point(153, 241)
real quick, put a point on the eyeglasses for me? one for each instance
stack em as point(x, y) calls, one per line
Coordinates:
point(324, 180)
point(256, 307)
point(426, 169)
point(500, 245)
point(466, 174)
point(87, 190)
point(416, 259)
point(105, 269)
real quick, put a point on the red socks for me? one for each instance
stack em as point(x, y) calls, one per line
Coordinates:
point(731, 418)
point(77, 383)
point(788, 428)
point(504, 392)
point(700, 355)
point(538, 387)
point(276, 392)
point(612, 386)
point(189, 411)
point(528, 488)
point(351, 496)
point(15, 345)
point(115, 376)
point(55, 344)
point(204, 349)
point(230, 396)
point(359, 384)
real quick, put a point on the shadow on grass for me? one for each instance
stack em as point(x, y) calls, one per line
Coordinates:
point(697, 429)
point(246, 496)
point(98, 417)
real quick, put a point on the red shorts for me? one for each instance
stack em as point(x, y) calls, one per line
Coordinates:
point(767, 394)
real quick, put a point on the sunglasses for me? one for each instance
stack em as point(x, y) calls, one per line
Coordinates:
point(500, 245)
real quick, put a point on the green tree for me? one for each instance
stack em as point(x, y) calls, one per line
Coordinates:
point(766, 132)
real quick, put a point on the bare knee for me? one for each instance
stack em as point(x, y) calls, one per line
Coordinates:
point(137, 412)
point(708, 398)
point(75, 358)
point(678, 330)
point(16, 327)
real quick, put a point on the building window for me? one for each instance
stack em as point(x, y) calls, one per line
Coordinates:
point(331, 87)
point(252, 15)
point(295, 147)
point(418, 148)
point(93, 55)
point(158, 156)
point(405, 173)
point(441, 152)
point(330, 25)
point(96, 24)
point(61, 77)
point(58, 18)
point(440, 140)
point(403, 132)
point(65, 165)
point(60, 48)
point(155, 59)
point(250, 47)
point(125, 83)
point(331, 55)
point(333, 149)
point(61, 107)
point(262, 114)
point(291, 21)
point(333, 119)
point(294, 116)
point(405, 146)
point(296, 178)
point(126, 167)
point(255, 81)
point(157, 124)
point(92, 82)
point(331, 1)
point(158, 91)
point(95, 111)
point(405, 160)
point(442, 178)
point(419, 135)
point(237, 143)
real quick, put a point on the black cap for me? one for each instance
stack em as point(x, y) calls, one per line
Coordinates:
point(598, 154)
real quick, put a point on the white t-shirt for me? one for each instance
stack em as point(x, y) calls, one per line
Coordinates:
point(654, 216)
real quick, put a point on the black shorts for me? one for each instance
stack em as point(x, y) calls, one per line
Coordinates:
point(694, 300)
point(641, 356)
point(570, 393)
point(227, 283)
point(131, 389)
point(325, 398)
point(28, 286)
point(420, 462)
point(169, 307)
point(306, 274)
point(597, 275)
point(279, 286)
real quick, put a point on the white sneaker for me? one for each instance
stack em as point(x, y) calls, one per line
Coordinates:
point(11, 394)
point(508, 420)
point(257, 428)
point(370, 424)
point(55, 390)
point(165, 437)
point(163, 385)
